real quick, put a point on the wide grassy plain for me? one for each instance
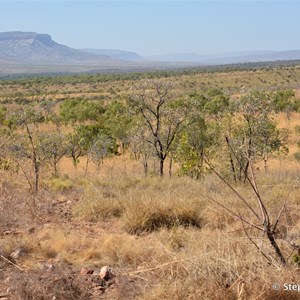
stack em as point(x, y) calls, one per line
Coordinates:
point(165, 237)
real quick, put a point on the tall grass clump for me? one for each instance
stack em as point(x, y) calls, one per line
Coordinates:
point(157, 203)
point(99, 202)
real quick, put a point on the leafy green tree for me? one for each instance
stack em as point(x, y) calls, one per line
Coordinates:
point(208, 126)
point(197, 144)
point(3, 112)
point(269, 140)
point(119, 121)
point(254, 134)
point(285, 101)
point(87, 140)
point(80, 110)
point(75, 147)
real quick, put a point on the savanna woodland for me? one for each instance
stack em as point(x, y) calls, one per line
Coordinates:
point(186, 184)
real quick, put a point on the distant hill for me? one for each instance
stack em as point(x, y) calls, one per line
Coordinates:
point(35, 53)
point(40, 48)
point(117, 54)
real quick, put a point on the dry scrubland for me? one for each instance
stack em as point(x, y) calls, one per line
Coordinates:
point(164, 237)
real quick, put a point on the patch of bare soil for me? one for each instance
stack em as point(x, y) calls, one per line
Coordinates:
point(58, 279)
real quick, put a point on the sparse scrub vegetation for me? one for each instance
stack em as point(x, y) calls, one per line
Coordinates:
point(160, 175)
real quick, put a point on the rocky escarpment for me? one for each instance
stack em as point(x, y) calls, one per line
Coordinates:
point(35, 47)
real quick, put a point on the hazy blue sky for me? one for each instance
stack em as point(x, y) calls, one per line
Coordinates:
point(157, 27)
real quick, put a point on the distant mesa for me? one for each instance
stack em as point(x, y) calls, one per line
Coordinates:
point(31, 47)
point(35, 53)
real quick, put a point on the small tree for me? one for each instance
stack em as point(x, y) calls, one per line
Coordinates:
point(269, 140)
point(80, 110)
point(32, 144)
point(285, 101)
point(91, 140)
point(119, 122)
point(162, 115)
point(197, 143)
point(253, 114)
point(141, 149)
point(75, 147)
point(54, 148)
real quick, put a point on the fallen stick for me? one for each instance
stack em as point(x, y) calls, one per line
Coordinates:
point(151, 269)
point(9, 261)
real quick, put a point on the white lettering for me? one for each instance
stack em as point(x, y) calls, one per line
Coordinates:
point(291, 287)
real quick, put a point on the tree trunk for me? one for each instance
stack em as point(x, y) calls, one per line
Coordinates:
point(55, 168)
point(161, 167)
point(278, 252)
point(231, 159)
point(170, 165)
point(145, 164)
point(86, 166)
point(37, 175)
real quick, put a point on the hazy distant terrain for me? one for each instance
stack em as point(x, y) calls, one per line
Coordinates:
point(34, 53)
point(117, 54)
point(229, 58)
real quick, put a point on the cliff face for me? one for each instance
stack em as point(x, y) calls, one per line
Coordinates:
point(34, 47)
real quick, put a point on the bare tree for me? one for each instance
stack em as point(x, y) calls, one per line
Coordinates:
point(163, 115)
point(257, 215)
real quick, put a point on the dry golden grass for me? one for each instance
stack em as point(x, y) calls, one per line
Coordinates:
point(164, 234)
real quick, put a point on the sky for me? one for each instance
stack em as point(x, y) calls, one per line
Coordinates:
point(160, 26)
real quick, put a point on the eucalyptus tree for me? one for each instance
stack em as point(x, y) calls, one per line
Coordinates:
point(163, 115)
point(54, 148)
point(90, 140)
point(119, 120)
point(202, 138)
point(32, 145)
point(140, 148)
point(254, 133)
point(77, 110)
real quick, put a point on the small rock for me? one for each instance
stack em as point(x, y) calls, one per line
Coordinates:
point(106, 273)
point(30, 230)
point(49, 267)
point(20, 251)
point(85, 271)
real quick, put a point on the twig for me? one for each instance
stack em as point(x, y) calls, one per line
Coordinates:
point(278, 218)
point(9, 261)
point(258, 248)
point(259, 296)
point(232, 188)
point(151, 269)
point(229, 211)
point(137, 276)
point(237, 280)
